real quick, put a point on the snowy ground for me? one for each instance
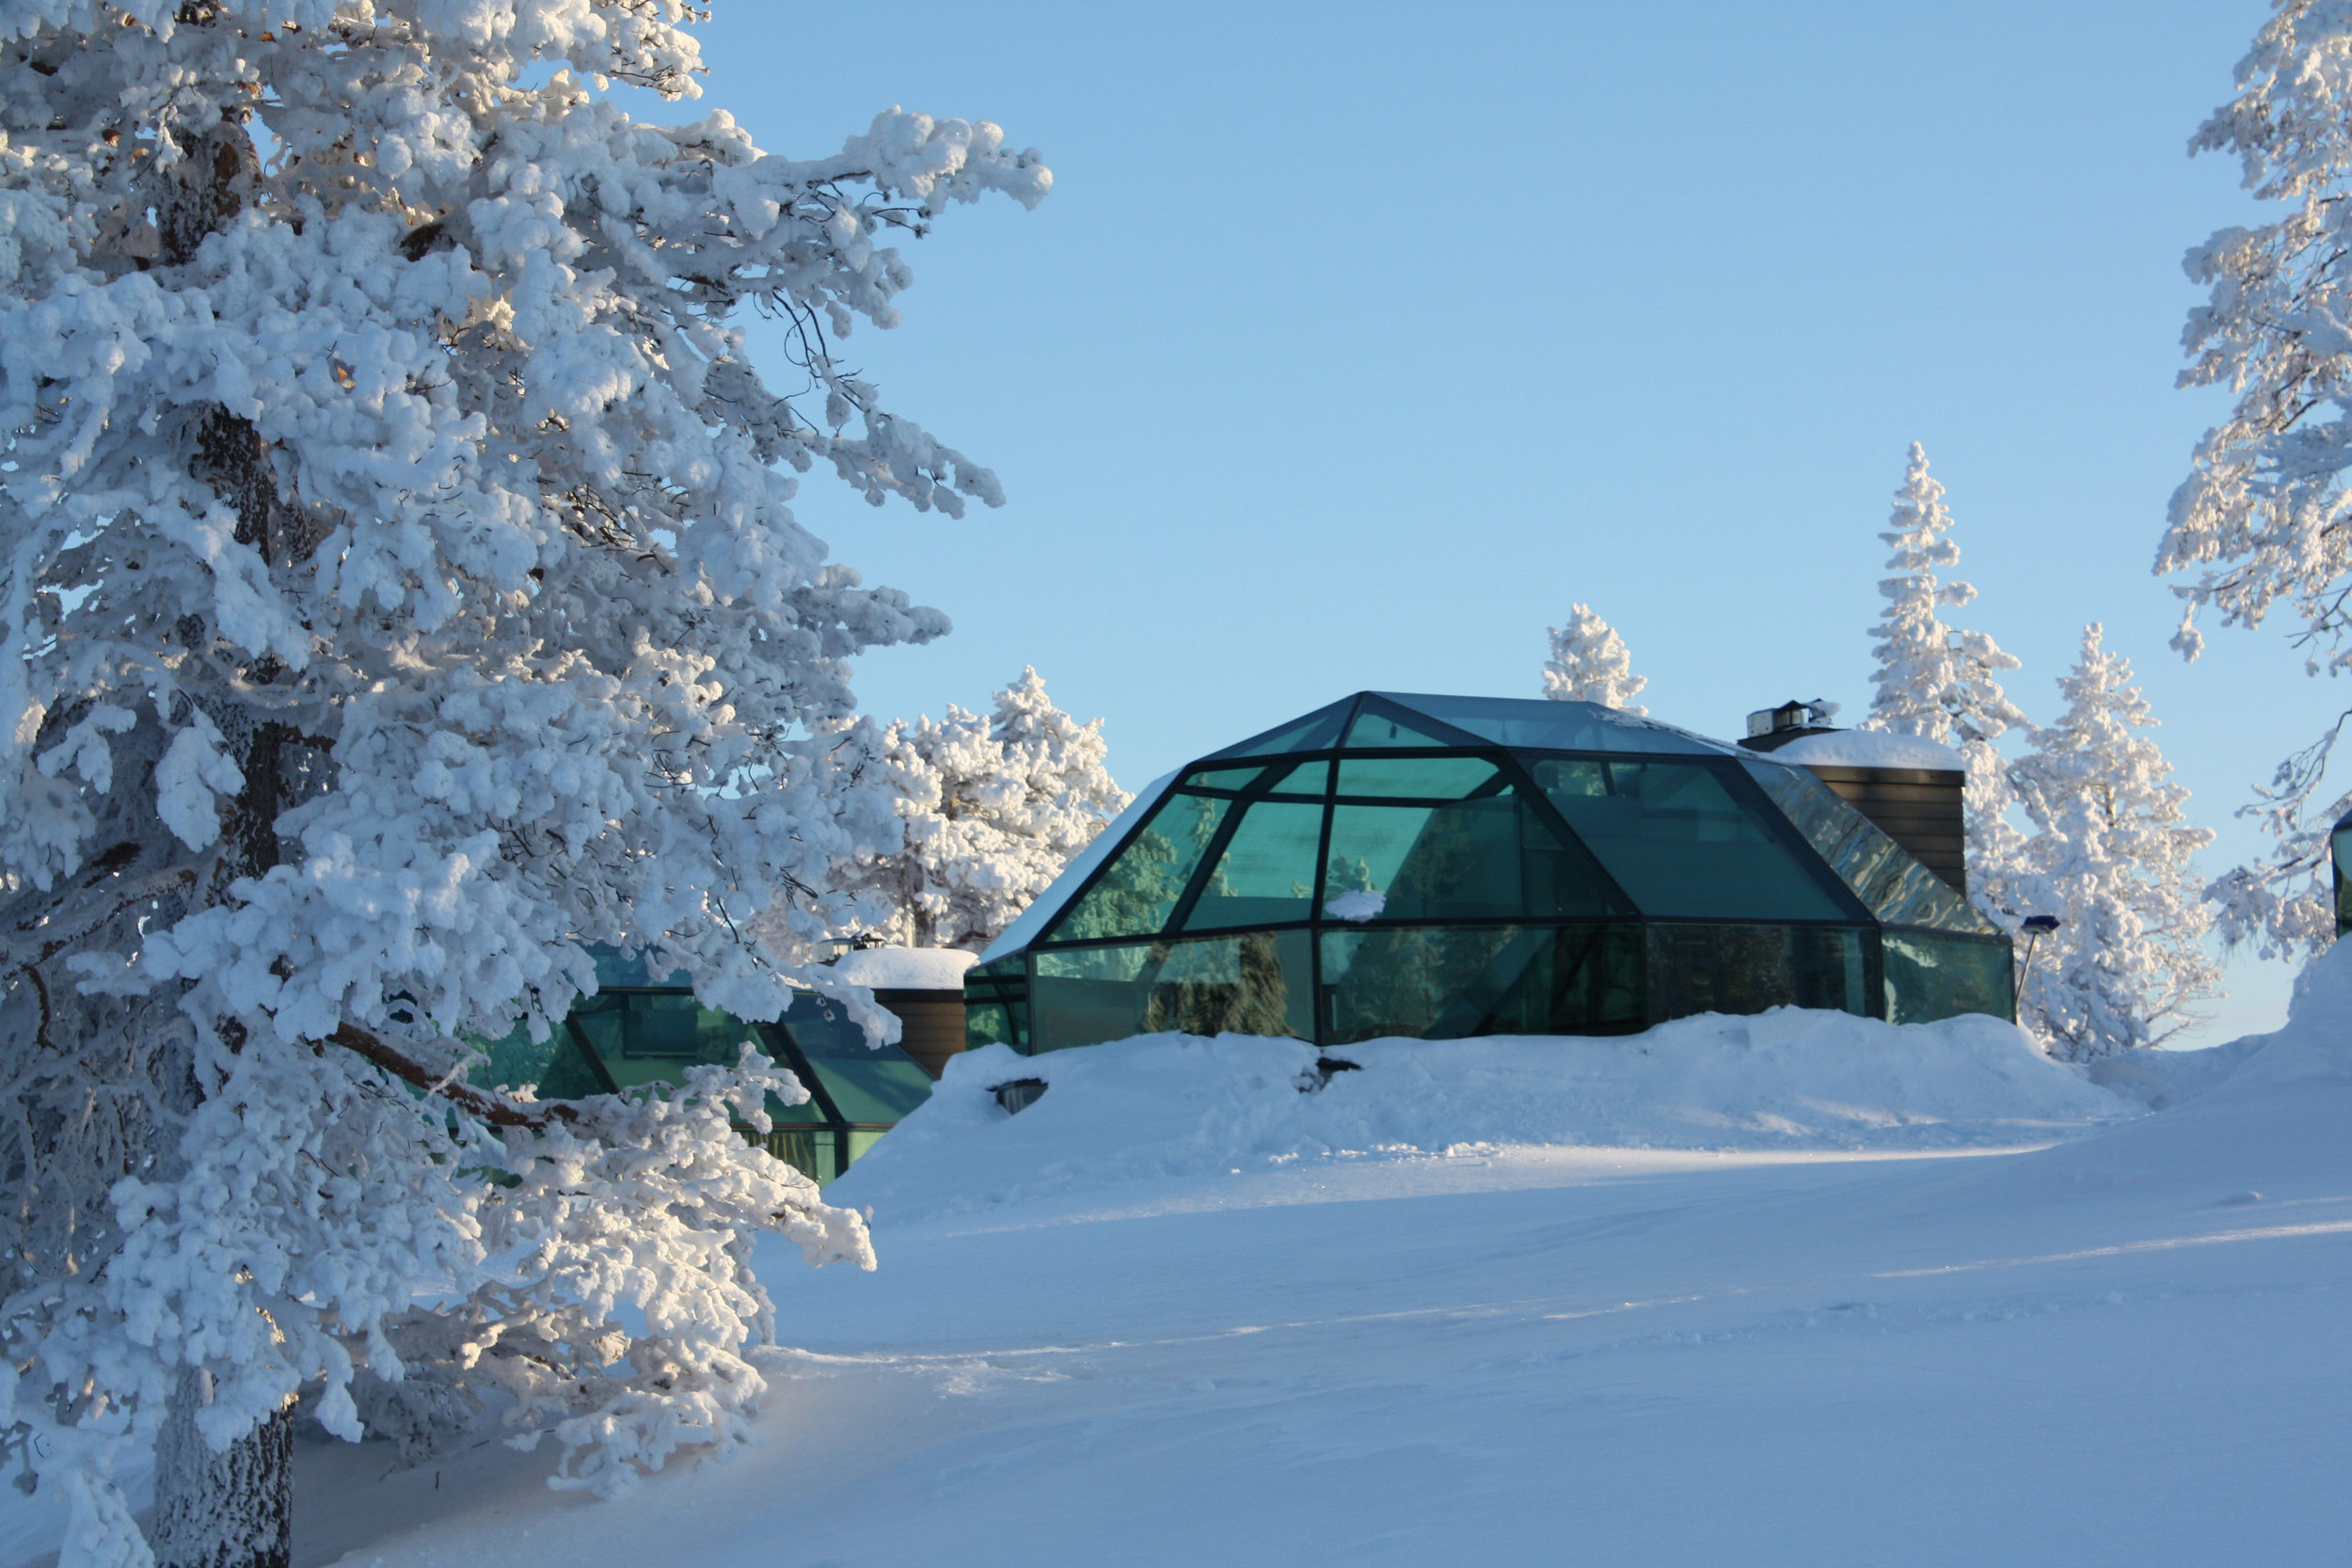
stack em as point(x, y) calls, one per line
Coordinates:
point(1788, 1290)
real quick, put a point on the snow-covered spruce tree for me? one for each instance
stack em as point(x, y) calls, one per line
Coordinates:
point(1589, 664)
point(1937, 682)
point(2264, 519)
point(2110, 854)
point(401, 591)
point(993, 809)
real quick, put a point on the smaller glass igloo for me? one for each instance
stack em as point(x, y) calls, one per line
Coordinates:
point(1448, 866)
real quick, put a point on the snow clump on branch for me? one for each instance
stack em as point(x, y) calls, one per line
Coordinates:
point(402, 593)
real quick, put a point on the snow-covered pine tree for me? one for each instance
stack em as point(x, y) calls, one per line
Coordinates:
point(993, 809)
point(1589, 664)
point(2265, 516)
point(2110, 855)
point(1938, 682)
point(400, 591)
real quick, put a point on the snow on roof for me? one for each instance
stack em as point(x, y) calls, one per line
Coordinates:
point(1868, 749)
point(1024, 930)
point(906, 968)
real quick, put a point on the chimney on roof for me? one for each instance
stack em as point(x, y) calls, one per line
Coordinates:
point(1814, 715)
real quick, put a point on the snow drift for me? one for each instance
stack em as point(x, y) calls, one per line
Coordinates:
point(1175, 1105)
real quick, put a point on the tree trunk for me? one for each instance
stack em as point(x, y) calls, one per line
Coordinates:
point(214, 1510)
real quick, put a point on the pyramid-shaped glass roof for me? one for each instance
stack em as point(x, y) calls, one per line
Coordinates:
point(1419, 865)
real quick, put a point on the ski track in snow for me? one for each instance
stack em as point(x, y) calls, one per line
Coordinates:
point(2126, 1346)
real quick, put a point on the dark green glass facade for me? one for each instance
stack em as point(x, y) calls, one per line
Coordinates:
point(1441, 866)
point(2339, 860)
point(638, 1030)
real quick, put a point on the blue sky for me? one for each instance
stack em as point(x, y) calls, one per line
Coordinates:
point(1356, 342)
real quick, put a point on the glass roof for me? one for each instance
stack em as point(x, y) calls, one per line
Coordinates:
point(1650, 822)
point(1543, 725)
point(1382, 719)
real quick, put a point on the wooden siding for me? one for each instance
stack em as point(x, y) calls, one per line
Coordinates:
point(1919, 808)
point(932, 1022)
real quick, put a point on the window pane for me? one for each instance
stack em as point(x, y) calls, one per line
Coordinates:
point(1746, 969)
point(1225, 777)
point(1138, 891)
point(636, 1025)
point(1414, 778)
point(1882, 874)
point(1441, 983)
point(2342, 845)
point(1680, 843)
point(996, 1004)
point(1374, 728)
point(1472, 860)
point(1256, 984)
point(1553, 726)
point(1930, 975)
point(513, 1060)
point(866, 1085)
point(1267, 870)
point(1314, 732)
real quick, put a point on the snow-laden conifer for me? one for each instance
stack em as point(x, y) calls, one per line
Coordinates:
point(401, 591)
point(2110, 856)
point(1937, 681)
point(1589, 664)
point(992, 809)
point(2264, 519)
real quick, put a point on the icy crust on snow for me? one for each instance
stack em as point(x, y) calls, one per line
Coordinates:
point(1176, 1105)
point(1870, 748)
point(906, 968)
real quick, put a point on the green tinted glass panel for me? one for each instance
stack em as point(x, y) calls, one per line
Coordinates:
point(881, 1084)
point(656, 1026)
point(815, 1152)
point(996, 1004)
point(573, 1073)
point(1257, 983)
point(1267, 872)
point(1225, 777)
point(1314, 732)
point(1374, 728)
point(1448, 983)
point(1414, 778)
point(1553, 726)
point(1931, 975)
point(1680, 843)
point(1138, 891)
point(1746, 969)
point(1882, 874)
point(514, 1061)
point(1468, 860)
point(2342, 844)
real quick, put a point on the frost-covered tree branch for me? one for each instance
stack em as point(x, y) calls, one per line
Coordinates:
point(2263, 521)
point(402, 591)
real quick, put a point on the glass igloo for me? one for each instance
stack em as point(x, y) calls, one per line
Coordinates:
point(1448, 866)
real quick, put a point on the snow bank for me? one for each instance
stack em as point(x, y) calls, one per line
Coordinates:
point(1174, 1105)
point(2316, 1042)
point(906, 968)
point(1868, 749)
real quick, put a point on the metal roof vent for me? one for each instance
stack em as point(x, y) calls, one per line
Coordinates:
point(1814, 715)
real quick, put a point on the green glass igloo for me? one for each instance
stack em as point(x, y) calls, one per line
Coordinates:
point(1447, 867)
